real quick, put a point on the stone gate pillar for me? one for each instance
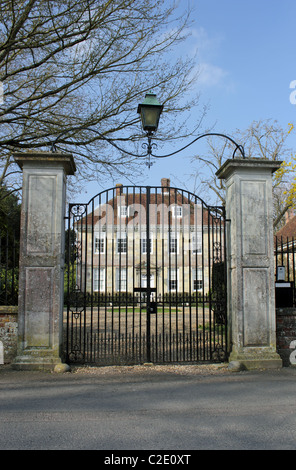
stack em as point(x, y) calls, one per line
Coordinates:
point(41, 277)
point(250, 258)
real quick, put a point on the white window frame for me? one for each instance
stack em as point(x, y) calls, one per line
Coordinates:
point(144, 243)
point(122, 211)
point(173, 238)
point(197, 277)
point(99, 277)
point(121, 279)
point(177, 212)
point(173, 276)
point(144, 280)
point(121, 242)
point(99, 242)
point(196, 243)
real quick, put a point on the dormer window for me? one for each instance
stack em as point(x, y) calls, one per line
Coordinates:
point(177, 212)
point(122, 211)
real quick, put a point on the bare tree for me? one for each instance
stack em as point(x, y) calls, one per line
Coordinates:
point(68, 66)
point(262, 139)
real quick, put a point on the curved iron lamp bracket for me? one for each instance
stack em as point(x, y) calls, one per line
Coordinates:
point(237, 146)
point(149, 146)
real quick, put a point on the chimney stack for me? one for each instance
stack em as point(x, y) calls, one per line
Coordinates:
point(165, 182)
point(289, 215)
point(119, 189)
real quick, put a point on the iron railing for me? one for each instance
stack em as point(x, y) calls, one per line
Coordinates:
point(285, 257)
point(9, 267)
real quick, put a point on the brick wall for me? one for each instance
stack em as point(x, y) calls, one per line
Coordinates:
point(8, 331)
point(285, 332)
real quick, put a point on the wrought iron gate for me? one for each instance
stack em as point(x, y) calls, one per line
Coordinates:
point(145, 278)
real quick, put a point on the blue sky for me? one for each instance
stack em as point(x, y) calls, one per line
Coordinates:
point(246, 54)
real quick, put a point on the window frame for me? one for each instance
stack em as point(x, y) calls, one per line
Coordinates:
point(99, 240)
point(144, 243)
point(174, 278)
point(124, 209)
point(121, 279)
point(176, 208)
point(196, 243)
point(99, 279)
point(173, 237)
point(121, 243)
point(197, 276)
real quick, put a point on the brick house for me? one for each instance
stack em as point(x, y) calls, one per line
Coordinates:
point(185, 241)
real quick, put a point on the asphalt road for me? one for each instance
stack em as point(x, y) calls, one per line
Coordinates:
point(142, 409)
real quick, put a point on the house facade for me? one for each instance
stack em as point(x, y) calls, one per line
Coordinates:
point(163, 239)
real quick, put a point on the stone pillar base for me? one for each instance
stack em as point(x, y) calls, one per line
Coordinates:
point(261, 360)
point(48, 363)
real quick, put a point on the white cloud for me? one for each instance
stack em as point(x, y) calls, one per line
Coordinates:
point(211, 75)
point(206, 48)
point(203, 44)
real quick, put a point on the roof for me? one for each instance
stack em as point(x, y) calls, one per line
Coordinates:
point(165, 197)
point(288, 230)
point(138, 202)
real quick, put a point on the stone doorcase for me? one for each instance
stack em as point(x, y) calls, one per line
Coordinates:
point(250, 259)
point(41, 278)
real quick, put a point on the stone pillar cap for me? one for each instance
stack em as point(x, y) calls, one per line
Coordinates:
point(256, 163)
point(66, 159)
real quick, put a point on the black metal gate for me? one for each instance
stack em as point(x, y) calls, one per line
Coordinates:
point(145, 278)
